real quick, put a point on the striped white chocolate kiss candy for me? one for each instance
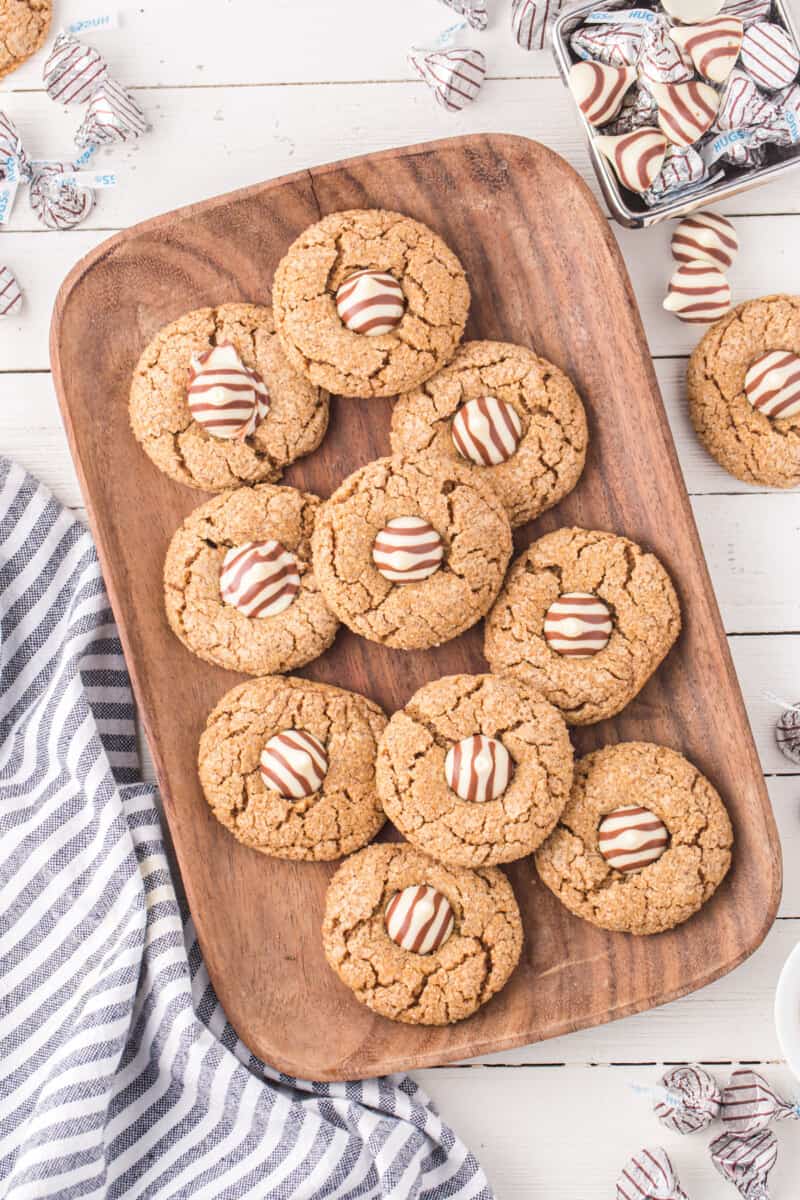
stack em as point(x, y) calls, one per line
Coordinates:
point(692, 12)
point(705, 237)
point(631, 837)
point(226, 398)
point(407, 549)
point(578, 625)
point(600, 90)
point(370, 302)
point(419, 919)
point(685, 110)
point(770, 56)
point(261, 579)
point(486, 431)
point(478, 768)
point(294, 764)
point(636, 157)
point(713, 46)
point(772, 384)
point(698, 293)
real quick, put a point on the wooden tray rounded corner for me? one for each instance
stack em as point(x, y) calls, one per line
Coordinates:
point(545, 271)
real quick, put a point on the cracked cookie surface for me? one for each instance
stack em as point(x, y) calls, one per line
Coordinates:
point(447, 985)
point(220, 633)
point(632, 583)
point(162, 423)
point(24, 25)
point(669, 890)
point(747, 443)
point(316, 342)
point(551, 454)
point(413, 787)
point(336, 820)
point(464, 511)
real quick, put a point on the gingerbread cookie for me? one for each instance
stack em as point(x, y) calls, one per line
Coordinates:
point(369, 303)
point(288, 766)
point(643, 842)
point(418, 941)
point(214, 402)
point(411, 551)
point(585, 617)
point(506, 411)
point(744, 391)
point(24, 25)
point(239, 588)
point(476, 769)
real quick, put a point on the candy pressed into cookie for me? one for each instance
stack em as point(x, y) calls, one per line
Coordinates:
point(214, 403)
point(643, 842)
point(418, 941)
point(24, 25)
point(411, 551)
point(288, 766)
point(369, 303)
point(512, 415)
point(744, 391)
point(476, 769)
point(239, 587)
point(586, 617)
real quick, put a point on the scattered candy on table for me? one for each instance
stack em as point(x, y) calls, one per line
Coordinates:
point(750, 1104)
point(531, 21)
point(688, 1099)
point(705, 237)
point(787, 728)
point(649, 1175)
point(698, 293)
point(454, 75)
point(474, 11)
point(746, 1161)
point(10, 294)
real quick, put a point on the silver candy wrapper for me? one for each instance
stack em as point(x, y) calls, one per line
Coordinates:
point(746, 1161)
point(11, 147)
point(531, 21)
point(112, 115)
point(748, 11)
point(750, 1104)
point(682, 173)
point(610, 44)
point(454, 75)
point(10, 294)
point(72, 70)
point(689, 1098)
point(748, 122)
point(649, 1174)
point(473, 11)
point(59, 202)
point(638, 109)
point(660, 60)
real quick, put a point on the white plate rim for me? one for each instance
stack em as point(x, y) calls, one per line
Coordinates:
point(787, 1011)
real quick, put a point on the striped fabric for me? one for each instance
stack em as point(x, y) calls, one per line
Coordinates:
point(119, 1074)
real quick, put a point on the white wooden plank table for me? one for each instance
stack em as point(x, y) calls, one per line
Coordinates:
point(238, 92)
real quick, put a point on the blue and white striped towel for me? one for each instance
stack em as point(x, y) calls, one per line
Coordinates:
point(119, 1074)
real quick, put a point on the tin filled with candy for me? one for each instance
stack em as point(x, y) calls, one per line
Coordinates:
point(710, 104)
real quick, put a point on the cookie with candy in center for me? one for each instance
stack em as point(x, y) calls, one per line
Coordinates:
point(476, 769)
point(511, 415)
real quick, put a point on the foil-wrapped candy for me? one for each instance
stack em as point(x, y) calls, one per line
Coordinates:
point(57, 199)
point(683, 172)
point(72, 70)
point(10, 293)
point(112, 115)
point(649, 1174)
point(748, 11)
point(749, 1103)
point(688, 1098)
point(454, 75)
point(531, 21)
point(660, 59)
point(473, 11)
point(746, 1161)
point(639, 109)
point(609, 44)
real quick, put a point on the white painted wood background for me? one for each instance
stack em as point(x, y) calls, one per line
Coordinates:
point(239, 91)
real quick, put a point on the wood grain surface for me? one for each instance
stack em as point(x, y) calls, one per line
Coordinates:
point(544, 271)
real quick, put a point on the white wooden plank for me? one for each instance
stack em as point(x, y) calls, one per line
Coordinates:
point(282, 41)
point(205, 141)
point(566, 1132)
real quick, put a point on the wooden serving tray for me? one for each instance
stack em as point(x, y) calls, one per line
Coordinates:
point(545, 271)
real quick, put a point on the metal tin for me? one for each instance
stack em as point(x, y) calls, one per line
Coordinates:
point(626, 208)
